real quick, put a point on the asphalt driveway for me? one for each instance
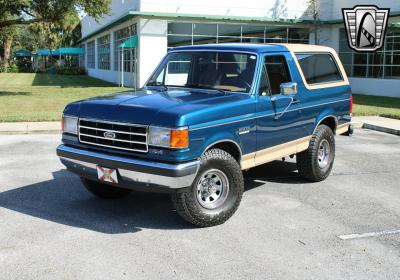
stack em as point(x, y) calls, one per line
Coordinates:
point(285, 228)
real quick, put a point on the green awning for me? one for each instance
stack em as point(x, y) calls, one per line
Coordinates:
point(44, 52)
point(70, 51)
point(131, 43)
point(23, 53)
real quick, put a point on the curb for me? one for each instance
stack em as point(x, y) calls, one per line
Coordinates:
point(381, 129)
point(30, 132)
point(30, 128)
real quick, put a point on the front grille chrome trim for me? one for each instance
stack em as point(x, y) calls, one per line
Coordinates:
point(114, 130)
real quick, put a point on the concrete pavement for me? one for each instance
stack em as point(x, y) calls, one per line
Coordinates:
point(381, 124)
point(285, 227)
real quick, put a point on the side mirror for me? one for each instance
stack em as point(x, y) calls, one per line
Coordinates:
point(289, 88)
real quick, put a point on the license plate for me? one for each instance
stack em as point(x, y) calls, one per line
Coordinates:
point(107, 174)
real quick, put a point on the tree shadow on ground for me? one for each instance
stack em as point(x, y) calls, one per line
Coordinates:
point(69, 81)
point(65, 201)
point(14, 93)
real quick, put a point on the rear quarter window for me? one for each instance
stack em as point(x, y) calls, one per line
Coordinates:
point(319, 68)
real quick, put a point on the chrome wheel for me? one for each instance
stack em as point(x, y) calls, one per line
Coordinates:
point(324, 153)
point(212, 189)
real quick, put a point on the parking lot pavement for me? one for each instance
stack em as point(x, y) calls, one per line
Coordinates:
point(285, 228)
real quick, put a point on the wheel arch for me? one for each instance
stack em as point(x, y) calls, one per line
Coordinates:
point(228, 145)
point(328, 120)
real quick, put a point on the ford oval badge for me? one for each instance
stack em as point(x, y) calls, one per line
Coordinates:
point(109, 135)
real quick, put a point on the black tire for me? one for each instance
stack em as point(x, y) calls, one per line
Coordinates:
point(309, 164)
point(187, 203)
point(104, 191)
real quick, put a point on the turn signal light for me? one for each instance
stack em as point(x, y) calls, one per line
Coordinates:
point(179, 138)
point(62, 123)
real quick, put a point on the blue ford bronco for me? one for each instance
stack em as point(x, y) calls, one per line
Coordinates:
point(205, 114)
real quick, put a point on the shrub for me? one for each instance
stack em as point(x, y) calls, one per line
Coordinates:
point(12, 68)
point(70, 70)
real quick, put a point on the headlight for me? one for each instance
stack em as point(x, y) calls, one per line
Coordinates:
point(69, 124)
point(168, 138)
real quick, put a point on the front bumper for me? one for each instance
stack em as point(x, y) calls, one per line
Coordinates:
point(132, 173)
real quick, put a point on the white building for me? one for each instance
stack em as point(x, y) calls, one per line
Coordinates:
point(160, 25)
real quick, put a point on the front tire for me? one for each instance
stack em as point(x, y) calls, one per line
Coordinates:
point(315, 163)
point(104, 191)
point(215, 193)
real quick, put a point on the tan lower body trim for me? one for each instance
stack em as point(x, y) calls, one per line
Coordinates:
point(274, 153)
point(343, 128)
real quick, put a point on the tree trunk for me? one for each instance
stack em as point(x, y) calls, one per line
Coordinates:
point(7, 51)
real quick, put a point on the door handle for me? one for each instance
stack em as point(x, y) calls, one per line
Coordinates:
point(274, 98)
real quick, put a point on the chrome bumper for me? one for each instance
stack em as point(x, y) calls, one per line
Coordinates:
point(132, 173)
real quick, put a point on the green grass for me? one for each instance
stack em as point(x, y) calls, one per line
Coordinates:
point(42, 97)
point(366, 105)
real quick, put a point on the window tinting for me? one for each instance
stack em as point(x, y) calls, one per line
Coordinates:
point(318, 68)
point(275, 73)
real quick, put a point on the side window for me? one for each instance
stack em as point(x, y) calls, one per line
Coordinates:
point(275, 72)
point(319, 68)
point(264, 89)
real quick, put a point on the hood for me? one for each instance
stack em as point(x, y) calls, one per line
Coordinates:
point(173, 107)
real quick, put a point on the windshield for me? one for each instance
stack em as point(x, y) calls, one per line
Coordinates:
point(212, 70)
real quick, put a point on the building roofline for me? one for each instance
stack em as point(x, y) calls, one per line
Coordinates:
point(207, 18)
point(337, 21)
point(213, 18)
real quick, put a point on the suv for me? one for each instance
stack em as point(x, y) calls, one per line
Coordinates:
point(205, 114)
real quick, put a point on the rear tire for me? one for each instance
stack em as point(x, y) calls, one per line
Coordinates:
point(215, 193)
point(104, 191)
point(315, 163)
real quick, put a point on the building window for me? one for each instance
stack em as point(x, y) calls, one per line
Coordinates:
point(184, 33)
point(103, 52)
point(91, 57)
point(82, 56)
point(382, 64)
point(121, 36)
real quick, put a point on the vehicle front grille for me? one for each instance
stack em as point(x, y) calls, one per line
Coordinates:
point(130, 137)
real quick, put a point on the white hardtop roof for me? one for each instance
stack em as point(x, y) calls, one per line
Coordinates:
point(307, 48)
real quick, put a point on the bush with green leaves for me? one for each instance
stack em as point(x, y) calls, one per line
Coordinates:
point(12, 68)
point(70, 70)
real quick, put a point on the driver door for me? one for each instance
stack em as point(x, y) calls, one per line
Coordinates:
point(279, 116)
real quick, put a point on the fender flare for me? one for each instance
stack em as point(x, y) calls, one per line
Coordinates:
point(324, 117)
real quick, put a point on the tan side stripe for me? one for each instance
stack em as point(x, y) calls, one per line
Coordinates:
point(275, 152)
point(343, 128)
point(248, 161)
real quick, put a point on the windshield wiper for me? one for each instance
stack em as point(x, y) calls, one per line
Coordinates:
point(157, 84)
point(193, 85)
